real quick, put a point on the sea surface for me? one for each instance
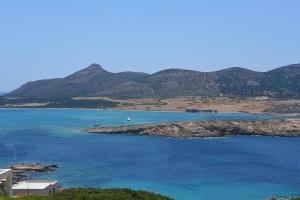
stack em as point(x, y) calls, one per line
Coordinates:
point(232, 168)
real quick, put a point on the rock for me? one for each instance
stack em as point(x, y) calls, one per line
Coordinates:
point(268, 127)
point(38, 167)
point(195, 110)
point(192, 110)
point(23, 172)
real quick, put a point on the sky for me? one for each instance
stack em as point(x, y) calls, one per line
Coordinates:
point(49, 39)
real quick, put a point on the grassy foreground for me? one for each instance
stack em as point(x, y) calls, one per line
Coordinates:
point(96, 194)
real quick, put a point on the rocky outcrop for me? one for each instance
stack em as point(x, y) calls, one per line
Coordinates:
point(38, 167)
point(22, 172)
point(269, 127)
point(196, 110)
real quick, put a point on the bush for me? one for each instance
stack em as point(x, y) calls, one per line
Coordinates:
point(96, 194)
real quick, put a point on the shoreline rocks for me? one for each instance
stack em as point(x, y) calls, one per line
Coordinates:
point(201, 129)
point(37, 167)
point(196, 110)
point(23, 171)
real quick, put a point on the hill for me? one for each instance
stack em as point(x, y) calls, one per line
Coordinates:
point(94, 81)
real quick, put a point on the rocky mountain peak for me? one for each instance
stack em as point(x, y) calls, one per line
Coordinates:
point(88, 72)
point(94, 67)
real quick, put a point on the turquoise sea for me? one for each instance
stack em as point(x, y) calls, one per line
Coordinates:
point(232, 168)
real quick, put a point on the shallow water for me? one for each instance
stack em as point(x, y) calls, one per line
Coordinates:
point(233, 168)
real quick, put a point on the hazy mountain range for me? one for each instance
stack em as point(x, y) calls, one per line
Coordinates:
point(283, 82)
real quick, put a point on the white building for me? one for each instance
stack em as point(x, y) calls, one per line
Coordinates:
point(6, 176)
point(35, 188)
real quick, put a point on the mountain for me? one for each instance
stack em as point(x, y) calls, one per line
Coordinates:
point(283, 82)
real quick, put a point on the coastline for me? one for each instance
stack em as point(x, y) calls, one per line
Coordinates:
point(110, 109)
point(283, 127)
point(144, 110)
point(178, 104)
point(131, 110)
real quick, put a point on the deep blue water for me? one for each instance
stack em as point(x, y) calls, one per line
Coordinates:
point(233, 168)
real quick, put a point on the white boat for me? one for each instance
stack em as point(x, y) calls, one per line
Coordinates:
point(128, 119)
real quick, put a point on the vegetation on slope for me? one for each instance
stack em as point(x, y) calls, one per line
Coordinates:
point(55, 103)
point(94, 81)
point(284, 109)
point(96, 194)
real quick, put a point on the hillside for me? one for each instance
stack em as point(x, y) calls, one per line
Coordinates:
point(283, 82)
point(93, 194)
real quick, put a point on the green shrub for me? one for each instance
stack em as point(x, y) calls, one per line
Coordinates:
point(96, 194)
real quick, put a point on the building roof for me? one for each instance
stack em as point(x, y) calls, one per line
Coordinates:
point(4, 173)
point(33, 185)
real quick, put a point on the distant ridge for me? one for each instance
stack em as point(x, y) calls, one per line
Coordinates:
point(283, 82)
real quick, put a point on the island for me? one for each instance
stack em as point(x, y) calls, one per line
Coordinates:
point(212, 128)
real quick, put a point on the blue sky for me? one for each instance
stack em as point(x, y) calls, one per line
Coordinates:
point(42, 39)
